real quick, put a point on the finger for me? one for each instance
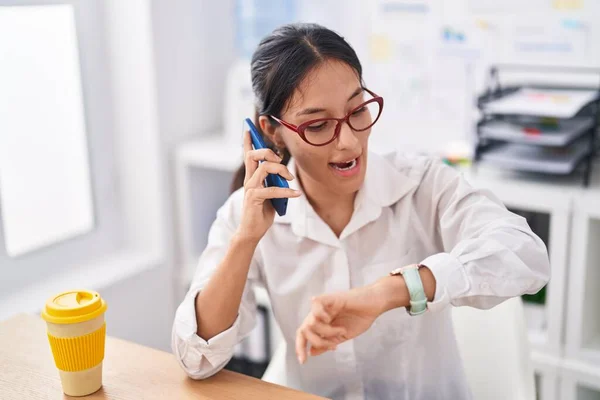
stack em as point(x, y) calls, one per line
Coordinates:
point(248, 164)
point(317, 352)
point(317, 341)
point(247, 142)
point(327, 331)
point(301, 347)
point(252, 157)
point(273, 193)
point(318, 310)
point(266, 168)
point(263, 155)
point(339, 339)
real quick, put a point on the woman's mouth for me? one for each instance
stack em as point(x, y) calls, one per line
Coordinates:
point(346, 168)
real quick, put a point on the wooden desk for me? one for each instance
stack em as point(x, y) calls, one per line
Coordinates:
point(131, 371)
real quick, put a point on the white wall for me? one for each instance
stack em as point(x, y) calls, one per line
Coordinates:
point(139, 309)
point(169, 60)
point(145, 301)
point(193, 44)
point(141, 304)
point(193, 49)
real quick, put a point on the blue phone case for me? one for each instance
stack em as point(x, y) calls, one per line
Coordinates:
point(280, 205)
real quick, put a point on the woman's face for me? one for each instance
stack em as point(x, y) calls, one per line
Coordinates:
point(330, 90)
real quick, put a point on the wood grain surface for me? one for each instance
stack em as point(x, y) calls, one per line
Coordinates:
point(131, 371)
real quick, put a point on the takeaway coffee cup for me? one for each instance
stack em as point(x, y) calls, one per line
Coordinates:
point(77, 332)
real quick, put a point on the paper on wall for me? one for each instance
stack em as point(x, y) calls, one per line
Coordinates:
point(549, 41)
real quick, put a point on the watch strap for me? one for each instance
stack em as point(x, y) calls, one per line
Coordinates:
point(418, 299)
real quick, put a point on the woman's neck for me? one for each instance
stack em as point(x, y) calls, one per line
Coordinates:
point(334, 209)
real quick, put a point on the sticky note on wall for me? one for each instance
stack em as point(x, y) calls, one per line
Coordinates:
point(567, 4)
point(381, 48)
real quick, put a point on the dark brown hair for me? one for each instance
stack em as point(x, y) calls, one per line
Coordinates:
point(280, 63)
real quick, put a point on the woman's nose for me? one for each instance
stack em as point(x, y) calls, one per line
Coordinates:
point(347, 137)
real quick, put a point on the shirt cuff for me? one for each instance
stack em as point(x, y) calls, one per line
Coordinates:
point(450, 279)
point(192, 348)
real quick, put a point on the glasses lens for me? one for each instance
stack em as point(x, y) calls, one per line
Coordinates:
point(320, 131)
point(365, 116)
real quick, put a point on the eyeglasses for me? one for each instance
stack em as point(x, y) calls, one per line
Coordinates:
point(322, 131)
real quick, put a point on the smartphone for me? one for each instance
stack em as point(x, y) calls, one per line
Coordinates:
point(280, 205)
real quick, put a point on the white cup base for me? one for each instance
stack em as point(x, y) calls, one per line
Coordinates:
point(81, 383)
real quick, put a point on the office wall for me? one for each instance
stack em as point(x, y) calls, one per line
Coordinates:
point(429, 58)
point(140, 308)
point(168, 59)
point(193, 45)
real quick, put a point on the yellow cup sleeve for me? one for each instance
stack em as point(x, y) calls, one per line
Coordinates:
point(78, 353)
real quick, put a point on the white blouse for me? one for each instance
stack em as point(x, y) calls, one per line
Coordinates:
point(409, 210)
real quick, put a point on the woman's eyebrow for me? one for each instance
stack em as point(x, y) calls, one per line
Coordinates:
point(311, 110)
point(356, 93)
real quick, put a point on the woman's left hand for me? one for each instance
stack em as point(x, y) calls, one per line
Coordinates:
point(335, 318)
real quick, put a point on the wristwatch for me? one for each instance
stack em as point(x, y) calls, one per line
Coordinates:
point(418, 299)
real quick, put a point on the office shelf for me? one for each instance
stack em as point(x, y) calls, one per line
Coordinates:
point(580, 380)
point(207, 152)
point(203, 176)
point(583, 323)
point(537, 322)
point(525, 157)
point(546, 129)
point(585, 393)
point(532, 131)
point(547, 373)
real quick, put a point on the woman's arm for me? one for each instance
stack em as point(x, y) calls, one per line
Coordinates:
point(202, 340)
point(489, 253)
point(219, 309)
point(391, 292)
point(218, 303)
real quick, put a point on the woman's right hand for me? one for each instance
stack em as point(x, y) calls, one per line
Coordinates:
point(258, 213)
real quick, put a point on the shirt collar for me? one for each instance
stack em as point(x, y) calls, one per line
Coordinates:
point(387, 180)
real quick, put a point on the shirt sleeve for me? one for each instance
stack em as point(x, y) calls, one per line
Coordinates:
point(490, 254)
point(202, 358)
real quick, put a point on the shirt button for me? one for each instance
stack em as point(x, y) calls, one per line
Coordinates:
point(485, 286)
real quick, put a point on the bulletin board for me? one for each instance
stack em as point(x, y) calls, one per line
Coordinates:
point(429, 58)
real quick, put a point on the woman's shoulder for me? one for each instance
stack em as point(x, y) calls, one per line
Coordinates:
point(423, 174)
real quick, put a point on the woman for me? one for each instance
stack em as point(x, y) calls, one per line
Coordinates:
point(353, 217)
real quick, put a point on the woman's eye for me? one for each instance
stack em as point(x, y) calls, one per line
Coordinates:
point(317, 126)
point(360, 110)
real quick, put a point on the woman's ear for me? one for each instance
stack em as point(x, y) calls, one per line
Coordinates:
point(271, 132)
